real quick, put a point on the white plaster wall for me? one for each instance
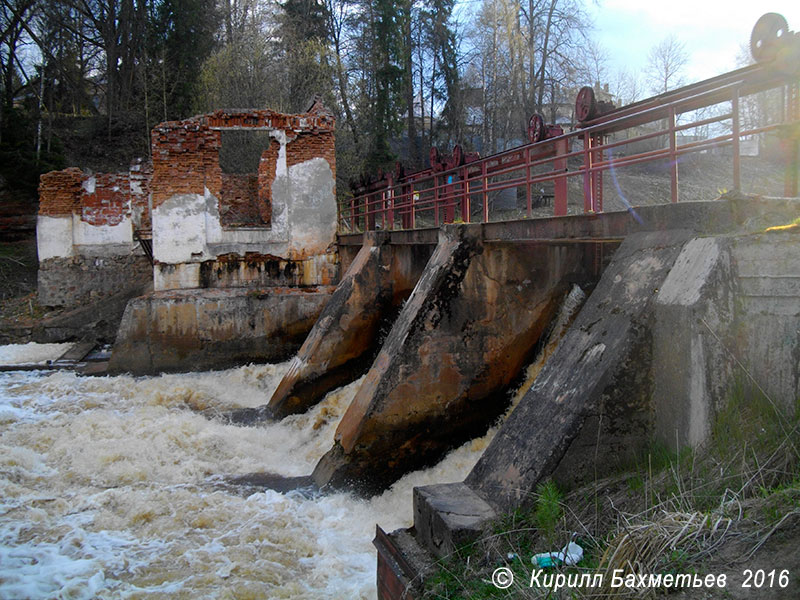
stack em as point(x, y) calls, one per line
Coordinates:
point(176, 277)
point(179, 229)
point(54, 237)
point(86, 234)
point(312, 207)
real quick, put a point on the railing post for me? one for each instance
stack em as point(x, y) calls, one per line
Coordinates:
point(436, 200)
point(596, 142)
point(390, 191)
point(369, 206)
point(465, 207)
point(560, 184)
point(588, 195)
point(450, 199)
point(673, 157)
point(737, 174)
point(413, 200)
point(485, 192)
point(528, 211)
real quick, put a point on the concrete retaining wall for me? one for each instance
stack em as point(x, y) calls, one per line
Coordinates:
point(80, 280)
point(195, 330)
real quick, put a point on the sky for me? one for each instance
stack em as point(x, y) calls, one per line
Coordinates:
point(712, 30)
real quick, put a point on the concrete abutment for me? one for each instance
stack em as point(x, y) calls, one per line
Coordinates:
point(196, 330)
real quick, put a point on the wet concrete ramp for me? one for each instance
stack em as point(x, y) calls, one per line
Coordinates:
point(598, 376)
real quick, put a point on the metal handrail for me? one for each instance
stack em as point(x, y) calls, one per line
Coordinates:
point(399, 204)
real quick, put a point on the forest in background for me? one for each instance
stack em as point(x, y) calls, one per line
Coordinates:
point(84, 81)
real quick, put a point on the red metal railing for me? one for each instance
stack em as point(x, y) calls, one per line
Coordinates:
point(543, 170)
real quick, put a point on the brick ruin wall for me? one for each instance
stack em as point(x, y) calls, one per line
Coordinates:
point(108, 202)
point(312, 145)
point(59, 192)
point(239, 202)
point(267, 170)
point(99, 199)
point(103, 199)
point(185, 159)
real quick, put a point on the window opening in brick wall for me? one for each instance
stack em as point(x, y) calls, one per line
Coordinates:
point(246, 192)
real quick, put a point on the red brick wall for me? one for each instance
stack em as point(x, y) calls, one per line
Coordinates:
point(185, 160)
point(267, 168)
point(109, 202)
point(238, 203)
point(312, 145)
point(59, 192)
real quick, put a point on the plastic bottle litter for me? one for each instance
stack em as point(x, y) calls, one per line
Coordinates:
point(571, 554)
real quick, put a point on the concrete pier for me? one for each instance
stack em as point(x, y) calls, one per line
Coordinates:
point(344, 340)
point(197, 330)
point(462, 337)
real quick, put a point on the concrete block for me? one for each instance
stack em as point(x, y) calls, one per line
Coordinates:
point(449, 515)
point(693, 314)
point(195, 330)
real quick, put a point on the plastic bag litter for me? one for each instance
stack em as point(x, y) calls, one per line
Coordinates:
point(571, 554)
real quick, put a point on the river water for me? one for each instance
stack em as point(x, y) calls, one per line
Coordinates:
point(112, 487)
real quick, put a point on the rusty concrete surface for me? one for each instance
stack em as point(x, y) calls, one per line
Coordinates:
point(196, 330)
point(462, 337)
point(345, 338)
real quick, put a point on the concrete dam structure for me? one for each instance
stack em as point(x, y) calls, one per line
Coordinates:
point(652, 355)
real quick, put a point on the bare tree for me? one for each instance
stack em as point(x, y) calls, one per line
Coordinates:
point(626, 87)
point(528, 56)
point(665, 64)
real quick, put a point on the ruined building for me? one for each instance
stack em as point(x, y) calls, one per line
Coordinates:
point(232, 201)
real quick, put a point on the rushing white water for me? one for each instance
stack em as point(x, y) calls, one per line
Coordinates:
point(32, 353)
point(112, 488)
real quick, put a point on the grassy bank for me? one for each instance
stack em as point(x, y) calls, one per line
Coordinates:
point(731, 508)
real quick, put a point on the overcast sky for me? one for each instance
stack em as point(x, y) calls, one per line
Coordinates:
point(713, 30)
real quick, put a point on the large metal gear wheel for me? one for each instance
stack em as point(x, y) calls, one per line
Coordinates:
point(769, 32)
point(585, 104)
point(536, 128)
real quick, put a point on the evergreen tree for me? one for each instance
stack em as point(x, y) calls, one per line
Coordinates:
point(183, 37)
point(304, 36)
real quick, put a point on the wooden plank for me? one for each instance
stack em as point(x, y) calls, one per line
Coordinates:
point(76, 353)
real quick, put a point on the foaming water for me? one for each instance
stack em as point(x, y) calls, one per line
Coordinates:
point(18, 354)
point(110, 488)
